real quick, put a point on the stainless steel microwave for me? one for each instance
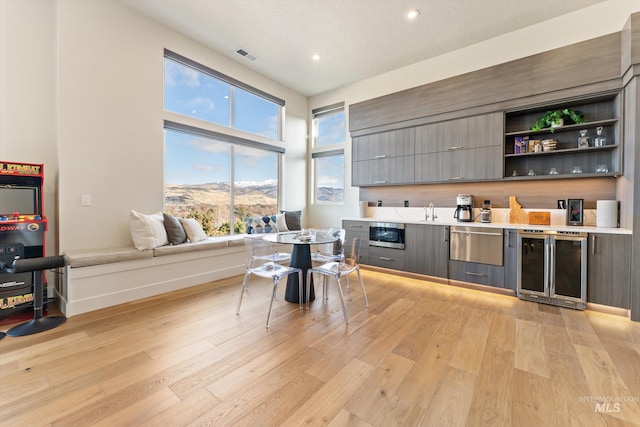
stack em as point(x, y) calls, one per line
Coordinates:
point(386, 235)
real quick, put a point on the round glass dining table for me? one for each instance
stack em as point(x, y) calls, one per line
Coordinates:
point(300, 258)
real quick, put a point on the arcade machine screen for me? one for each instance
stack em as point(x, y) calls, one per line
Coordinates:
point(20, 199)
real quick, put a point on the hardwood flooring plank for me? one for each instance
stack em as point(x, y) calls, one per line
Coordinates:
point(451, 402)
point(530, 354)
point(421, 351)
point(532, 400)
point(347, 419)
point(373, 396)
point(605, 382)
point(325, 404)
point(183, 412)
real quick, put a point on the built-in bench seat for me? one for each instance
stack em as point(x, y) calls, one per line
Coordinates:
point(99, 278)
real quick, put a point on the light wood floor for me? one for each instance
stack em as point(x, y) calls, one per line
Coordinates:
point(421, 354)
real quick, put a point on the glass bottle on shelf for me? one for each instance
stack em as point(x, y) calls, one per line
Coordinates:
point(583, 140)
point(600, 140)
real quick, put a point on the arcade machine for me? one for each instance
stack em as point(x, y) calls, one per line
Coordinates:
point(23, 283)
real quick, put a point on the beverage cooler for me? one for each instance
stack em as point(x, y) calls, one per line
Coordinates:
point(552, 267)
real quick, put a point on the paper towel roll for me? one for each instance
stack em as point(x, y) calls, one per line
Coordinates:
point(607, 213)
point(363, 209)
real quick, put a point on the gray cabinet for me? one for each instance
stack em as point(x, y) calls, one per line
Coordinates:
point(483, 163)
point(463, 149)
point(358, 229)
point(473, 272)
point(386, 257)
point(427, 249)
point(384, 158)
point(609, 270)
point(395, 170)
point(511, 259)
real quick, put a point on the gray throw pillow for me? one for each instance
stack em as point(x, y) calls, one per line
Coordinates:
point(175, 230)
point(292, 218)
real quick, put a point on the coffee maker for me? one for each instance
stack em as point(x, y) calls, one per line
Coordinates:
point(464, 210)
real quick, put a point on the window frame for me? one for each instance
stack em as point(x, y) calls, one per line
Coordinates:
point(327, 150)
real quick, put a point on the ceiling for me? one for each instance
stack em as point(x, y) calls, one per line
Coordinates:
point(356, 39)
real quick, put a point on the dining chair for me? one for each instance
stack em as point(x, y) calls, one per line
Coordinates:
point(279, 257)
point(328, 252)
point(261, 260)
point(347, 264)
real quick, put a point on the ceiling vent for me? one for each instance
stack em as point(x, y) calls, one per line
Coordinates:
point(251, 57)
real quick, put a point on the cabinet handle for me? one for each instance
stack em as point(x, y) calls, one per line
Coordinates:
point(593, 244)
point(455, 147)
point(509, 239)
point(475, 274)
point(445, 232)
point(456, 178)
point(380, 156)
point(386, 259)
point(380, 182)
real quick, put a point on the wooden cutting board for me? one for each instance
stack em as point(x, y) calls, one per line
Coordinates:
point(540, 218)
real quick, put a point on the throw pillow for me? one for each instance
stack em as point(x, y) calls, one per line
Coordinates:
point(194, 230)
point(175, 231)
point(147, 231)
point(292, 219)
point(262, 224)
point(281, 223)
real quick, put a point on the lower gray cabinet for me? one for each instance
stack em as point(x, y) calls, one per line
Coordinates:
point(473, 272)
point(609, 270)
point(359, 229)
point(427, 249)
point(386, 257)
point(511, 259)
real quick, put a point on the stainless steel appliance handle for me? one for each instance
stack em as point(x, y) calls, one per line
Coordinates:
point(552, 272)
point(547, 255)
point(475, 274)
point(483, 233)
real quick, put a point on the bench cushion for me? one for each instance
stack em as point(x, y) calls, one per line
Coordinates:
point(85, 258)
point(202, 245)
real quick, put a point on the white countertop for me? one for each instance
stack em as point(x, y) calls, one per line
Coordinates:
point(444, 216)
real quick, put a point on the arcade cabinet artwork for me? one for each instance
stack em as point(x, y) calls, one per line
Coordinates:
point(22, 237)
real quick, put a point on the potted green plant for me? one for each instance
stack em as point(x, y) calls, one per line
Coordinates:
point(556, 118)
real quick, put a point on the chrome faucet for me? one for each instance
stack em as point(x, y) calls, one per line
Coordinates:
point(433, 212)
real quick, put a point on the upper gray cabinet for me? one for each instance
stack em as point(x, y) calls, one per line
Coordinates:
point(463, 149)
point(384, 158)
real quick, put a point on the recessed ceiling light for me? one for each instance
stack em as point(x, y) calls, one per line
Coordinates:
point(411, 14)
point(315, 57)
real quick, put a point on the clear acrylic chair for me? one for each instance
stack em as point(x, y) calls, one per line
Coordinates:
point(261, 261)
point(347, 264)
point(279, 257)
point(329, 251)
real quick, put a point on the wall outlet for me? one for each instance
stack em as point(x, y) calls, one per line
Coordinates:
point(86, 200)
point(561, 204)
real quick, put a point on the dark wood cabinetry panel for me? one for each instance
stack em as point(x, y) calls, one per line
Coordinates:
point(484, 163)
point(427, 250)
point(385, 171)
point(511, 81)
point(609, 270)
point(470, 132)
point(384, 145)
point(482, 274)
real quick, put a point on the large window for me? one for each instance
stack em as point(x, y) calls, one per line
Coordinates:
point(215, 176)
point(328, 154)
point(217, 182)
point(194, 90)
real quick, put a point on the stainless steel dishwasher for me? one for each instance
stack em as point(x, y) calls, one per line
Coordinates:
point(483, 245)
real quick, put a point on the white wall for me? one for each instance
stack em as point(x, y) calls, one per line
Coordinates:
point(598, 20)
point(111, 114)
point(27, 93)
